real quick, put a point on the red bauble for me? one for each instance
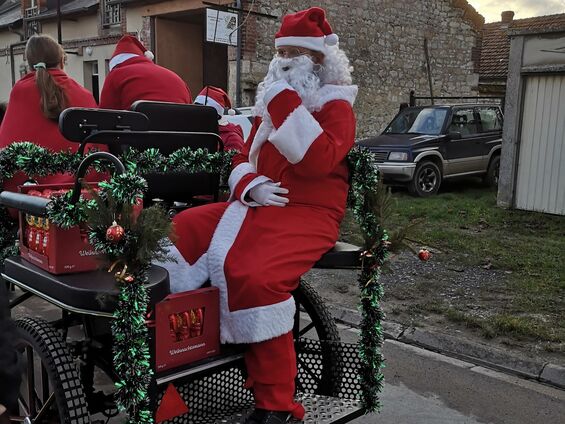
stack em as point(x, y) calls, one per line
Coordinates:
point(115, 233)
point(424, 254)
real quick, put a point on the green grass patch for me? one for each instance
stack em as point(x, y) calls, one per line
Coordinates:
point(467, 227)
point(470, 228)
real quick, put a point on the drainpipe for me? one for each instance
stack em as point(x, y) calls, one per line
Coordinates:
point(59, 35)
point(427, 54)
point(238, 59)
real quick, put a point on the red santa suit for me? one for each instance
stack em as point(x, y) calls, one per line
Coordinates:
point(231, 134)
point(255, 255)
point(25, 121)
point(133, 76)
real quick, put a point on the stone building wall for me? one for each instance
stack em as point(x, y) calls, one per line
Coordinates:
point(384, 40)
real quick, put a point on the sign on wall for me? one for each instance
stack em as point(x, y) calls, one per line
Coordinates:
point(221, 27)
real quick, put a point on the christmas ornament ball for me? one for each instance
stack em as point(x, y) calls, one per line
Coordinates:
point(115, 233)
point(424, 254)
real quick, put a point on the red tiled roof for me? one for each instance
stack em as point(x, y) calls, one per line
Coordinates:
point(496, 43)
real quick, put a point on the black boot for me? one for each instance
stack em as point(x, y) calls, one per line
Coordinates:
point(261, 416)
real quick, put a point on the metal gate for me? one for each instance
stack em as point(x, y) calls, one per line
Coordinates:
point(540, 184)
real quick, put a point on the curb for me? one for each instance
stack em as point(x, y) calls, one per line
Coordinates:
point(479, 354)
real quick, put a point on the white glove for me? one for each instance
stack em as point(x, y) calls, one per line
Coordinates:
point(274, 89)
point(267, 194)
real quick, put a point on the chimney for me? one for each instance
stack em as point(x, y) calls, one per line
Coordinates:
point(507, 16)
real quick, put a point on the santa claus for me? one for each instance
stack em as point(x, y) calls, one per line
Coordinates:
point(288, 194)
point(231, 134)
point(133, 76)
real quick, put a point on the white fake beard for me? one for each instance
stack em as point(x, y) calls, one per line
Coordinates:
point(301, 74)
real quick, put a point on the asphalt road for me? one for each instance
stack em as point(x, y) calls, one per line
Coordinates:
point(424, 387)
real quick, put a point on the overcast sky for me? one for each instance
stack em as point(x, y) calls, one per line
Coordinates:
point(491, 9)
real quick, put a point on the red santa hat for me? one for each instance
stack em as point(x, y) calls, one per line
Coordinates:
point(128, 47)
point(307, 28)
point(215, 97)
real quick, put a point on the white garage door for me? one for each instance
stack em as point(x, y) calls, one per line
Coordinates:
point(541, 166)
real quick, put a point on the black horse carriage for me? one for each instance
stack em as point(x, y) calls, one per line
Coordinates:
point(64, 358)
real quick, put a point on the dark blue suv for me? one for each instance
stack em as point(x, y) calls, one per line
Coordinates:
point(425, 144)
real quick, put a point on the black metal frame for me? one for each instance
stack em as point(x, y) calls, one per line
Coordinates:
point(92, 350)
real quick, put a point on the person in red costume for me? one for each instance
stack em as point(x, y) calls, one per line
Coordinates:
point(36, 102)
point(288, 195)
point(133, 76)
point(231, 134)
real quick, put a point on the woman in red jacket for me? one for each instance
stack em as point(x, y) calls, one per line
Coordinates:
point(37, 100)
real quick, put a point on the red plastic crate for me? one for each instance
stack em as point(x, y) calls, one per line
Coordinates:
point(187, 328)
point(56, 250)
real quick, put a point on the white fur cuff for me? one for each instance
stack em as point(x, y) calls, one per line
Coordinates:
point(276, 88)
point(297, 133)
point(254, 183)
point(237, 174)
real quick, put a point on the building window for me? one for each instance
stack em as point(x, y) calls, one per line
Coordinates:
point(31, 26)
point(32, 10)
point(111, 13)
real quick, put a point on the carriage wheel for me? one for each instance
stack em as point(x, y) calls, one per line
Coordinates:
point(50, 391)
point(317, 345)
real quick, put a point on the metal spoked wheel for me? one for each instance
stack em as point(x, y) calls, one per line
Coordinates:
point(50, 391)
point(426, 180)
point(317, 344)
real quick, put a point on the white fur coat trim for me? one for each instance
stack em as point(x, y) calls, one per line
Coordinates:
point(326, 94)
point(330, 92)
point(296, 134)
point(182, 275)
point(263, 133)
point(237, 174)
point(247, 325)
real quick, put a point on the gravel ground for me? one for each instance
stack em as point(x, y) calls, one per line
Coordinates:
point(417, 294)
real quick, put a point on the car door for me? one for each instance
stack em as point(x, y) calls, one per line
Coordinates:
point(491, 129)
point(464, 155)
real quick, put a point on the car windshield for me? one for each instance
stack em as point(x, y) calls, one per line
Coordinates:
point(418, 121)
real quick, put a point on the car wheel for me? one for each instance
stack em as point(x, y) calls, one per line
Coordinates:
point(491, 177)
point(426, 180)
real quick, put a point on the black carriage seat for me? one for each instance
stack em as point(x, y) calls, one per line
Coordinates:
point(78, 124)
point(165, 116)
point(93, 293)
point(343, 255)
point(178, 186)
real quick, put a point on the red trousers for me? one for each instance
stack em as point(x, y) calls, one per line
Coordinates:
point(271, 366)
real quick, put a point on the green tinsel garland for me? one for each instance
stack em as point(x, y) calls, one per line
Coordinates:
point(130, 333)
point(144, 239)
point(131, 353)
point(363, 202)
